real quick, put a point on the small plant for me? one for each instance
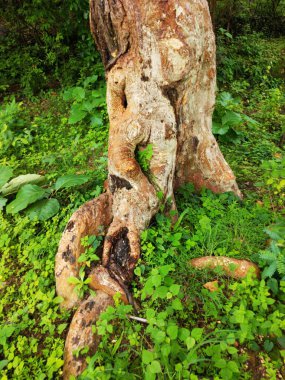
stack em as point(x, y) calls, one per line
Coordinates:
point(13, 131)
point(91, 244)
point(86, 259)
point(85, 100)
point(81, 283)
point(273, 259)
point(273, 180)
point(228, 119)
point(257, 317)
point(144, 157)
point(36, 200)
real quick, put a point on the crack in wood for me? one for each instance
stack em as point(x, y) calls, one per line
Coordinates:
point(116, 183)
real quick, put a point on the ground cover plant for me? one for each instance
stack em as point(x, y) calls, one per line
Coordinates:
point(187, 331)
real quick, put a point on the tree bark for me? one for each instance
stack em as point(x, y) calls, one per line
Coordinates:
point(159, 57)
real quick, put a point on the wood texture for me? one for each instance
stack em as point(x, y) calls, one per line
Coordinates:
point(159, 57)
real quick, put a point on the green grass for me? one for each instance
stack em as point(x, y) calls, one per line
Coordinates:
point(236, 332)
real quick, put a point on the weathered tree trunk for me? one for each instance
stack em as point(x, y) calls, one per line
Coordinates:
point(159, 57)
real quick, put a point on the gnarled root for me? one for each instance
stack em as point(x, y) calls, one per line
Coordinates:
point(121, 254)
point(93, 218)
point(101, 280)
point(233, 267)
point(80, 333)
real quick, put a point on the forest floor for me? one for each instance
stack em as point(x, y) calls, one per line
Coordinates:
point(236, 331)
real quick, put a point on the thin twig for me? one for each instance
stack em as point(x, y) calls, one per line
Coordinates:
point(142, 320)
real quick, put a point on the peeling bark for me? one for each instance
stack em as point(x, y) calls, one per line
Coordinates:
point(159, 57)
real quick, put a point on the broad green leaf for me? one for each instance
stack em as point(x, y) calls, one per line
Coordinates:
point(231, 118)
point(254, 346)
point(159, 337)
point(68, 94)
point(230, 338)
point(165, 350)
point(91, 79)
point(174, 289)
point(5, 174)
point(147, 356)
point(43, 209)
point(96, 121)
point(232, 350)
point(197, 333)
point(5, 332)
point(16, 183)
point(3, 201)
point(268, 345)
point(148, 375)
point(76, 114)
point(281, 341)
point(150, 313)
point(233, 366)
point(73, 280)
point(190, 342)
point(155, 367)
point(156, 280)
point(100, 102)
point(78, 93)
point(225, 98)
point(226, 374)
point(177, 305)
point(161, 291)
point(3, 364)
point(27, 194)
point(172, 331)
point(88, 106)
point(221, 363)
point(218, 129)
point(58, 300)
point(183, 333)
point(165, 269)
point(70, 181)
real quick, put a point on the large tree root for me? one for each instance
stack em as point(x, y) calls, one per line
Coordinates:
point(232, 267)
point(93, 218)
point(80, 333)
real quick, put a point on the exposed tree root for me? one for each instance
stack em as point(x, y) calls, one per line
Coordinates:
point(232, 267)
point(101, 280)
point(93, 218)
point(80, 333)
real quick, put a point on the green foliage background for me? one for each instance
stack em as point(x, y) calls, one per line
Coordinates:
point(53, 123)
